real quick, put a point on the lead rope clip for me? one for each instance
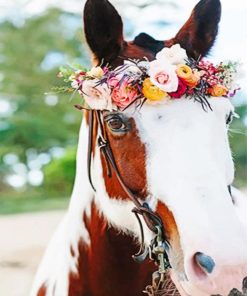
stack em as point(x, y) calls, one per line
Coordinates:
point(158, 252)
point(159, 249)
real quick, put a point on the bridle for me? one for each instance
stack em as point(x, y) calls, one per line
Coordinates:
point(157, 250)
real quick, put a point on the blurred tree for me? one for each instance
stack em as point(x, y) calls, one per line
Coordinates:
point(28, 75)
point(59, 174)
point(238, 139)
point(29, 56)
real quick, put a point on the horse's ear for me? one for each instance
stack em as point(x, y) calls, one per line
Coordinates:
point(199, 33)
point(103, 29)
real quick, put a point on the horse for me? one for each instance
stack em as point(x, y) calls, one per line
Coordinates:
point(176, 158)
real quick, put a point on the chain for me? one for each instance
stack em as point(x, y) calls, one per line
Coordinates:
point(161, 282)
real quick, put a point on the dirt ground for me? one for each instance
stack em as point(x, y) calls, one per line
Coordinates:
point(22, 242)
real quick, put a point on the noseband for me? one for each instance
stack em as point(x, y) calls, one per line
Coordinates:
point(157, 250)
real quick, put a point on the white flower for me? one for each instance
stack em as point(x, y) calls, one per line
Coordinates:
point(132, 69)
point(96, 72)
point(143, 64)
point(231, 74)
point(174, 55)
point(97, 96)
point(163, 75)
point(75, 84)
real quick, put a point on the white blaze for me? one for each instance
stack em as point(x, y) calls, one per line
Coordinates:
point(189, 167)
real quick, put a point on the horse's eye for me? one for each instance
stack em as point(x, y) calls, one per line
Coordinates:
point(116, 124)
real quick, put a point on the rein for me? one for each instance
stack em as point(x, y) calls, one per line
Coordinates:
point(157, 250)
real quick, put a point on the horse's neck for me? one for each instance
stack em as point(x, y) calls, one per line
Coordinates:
point(105, 266)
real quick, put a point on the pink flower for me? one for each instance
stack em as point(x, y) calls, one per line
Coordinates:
point(124, 95)
point(113, 81)
point(180, 91)
point(208, 67)
point(106, 70)
point(97, 96)
point(163, 75)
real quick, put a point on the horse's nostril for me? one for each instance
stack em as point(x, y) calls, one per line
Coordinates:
point(205, 262)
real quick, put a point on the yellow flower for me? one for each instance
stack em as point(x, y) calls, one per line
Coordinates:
point(184, 72)
point(152, 92)
point(96, 72)
point(218, 91)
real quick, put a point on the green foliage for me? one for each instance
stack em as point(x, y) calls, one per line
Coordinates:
point(11, 204)
point(28, 74)
point(67, 71)
point(238, 140)
point(60, 173)
point(68, 74)
point(36, 124)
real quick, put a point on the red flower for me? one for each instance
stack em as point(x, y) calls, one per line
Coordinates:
point(181, 90)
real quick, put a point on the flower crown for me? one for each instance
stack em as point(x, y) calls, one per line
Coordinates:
point(170, 76)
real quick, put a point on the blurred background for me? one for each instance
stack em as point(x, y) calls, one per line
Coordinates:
point(39, 129)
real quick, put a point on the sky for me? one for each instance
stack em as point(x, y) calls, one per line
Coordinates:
point(232, 39)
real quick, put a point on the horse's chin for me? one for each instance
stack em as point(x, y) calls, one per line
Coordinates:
point(184, 287)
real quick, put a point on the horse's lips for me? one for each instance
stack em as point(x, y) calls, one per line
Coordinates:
point(179, 285)
point(222, 283)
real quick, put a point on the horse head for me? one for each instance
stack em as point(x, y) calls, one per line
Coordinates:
point(176, 157)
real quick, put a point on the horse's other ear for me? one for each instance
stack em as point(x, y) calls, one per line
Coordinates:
point(199, 33)
point(103, 29)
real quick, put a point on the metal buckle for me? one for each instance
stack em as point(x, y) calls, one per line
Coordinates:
point(158, 251)
point(101, 142)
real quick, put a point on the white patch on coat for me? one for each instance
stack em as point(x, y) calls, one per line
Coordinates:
point(58, 261)
point(118, 212)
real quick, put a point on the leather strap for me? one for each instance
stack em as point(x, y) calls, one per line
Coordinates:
point(90, 148)
point(151, 218)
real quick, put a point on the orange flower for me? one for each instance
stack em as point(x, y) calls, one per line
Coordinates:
point(184, 72)
point(152, 92)
point(218, 91)
point(193, 81)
